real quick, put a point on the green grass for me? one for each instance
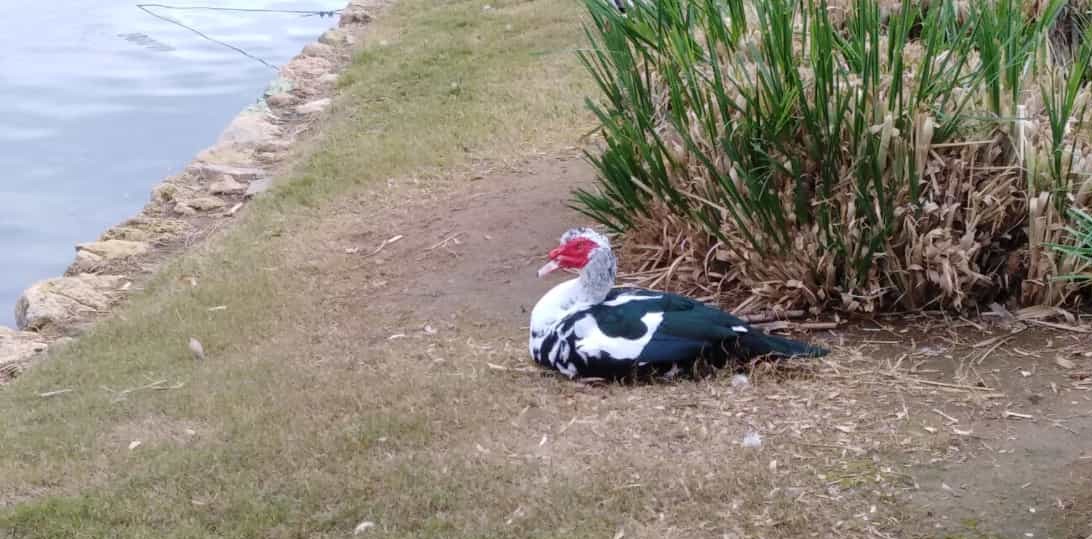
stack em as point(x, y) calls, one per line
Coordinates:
point(1078, 250)
point(275, 441)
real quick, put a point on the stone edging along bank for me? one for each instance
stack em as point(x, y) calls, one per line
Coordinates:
point(185, 207)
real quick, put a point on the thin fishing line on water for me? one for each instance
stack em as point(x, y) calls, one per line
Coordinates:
point(147, 8)
point(304, 12)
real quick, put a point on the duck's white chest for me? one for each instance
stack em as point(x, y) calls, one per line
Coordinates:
point(554, 306)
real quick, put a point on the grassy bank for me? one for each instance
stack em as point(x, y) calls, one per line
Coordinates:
point(257, 441)
point(389, 389)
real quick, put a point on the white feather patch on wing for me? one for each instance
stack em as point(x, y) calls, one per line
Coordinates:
point(591, 337)
point(626, 298)
point(739, 329)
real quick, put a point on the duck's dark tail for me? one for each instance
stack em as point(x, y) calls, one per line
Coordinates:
point(756, 344)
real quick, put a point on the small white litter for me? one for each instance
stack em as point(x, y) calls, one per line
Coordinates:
point(752, 439)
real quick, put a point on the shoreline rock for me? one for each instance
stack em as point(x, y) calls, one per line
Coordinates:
point(17, 347)
point(185, 207)
point(92, 256)
point(313, 107)
point(227, 186)
point(60, 306)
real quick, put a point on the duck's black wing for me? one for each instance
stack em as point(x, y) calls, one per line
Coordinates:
point(639, 329)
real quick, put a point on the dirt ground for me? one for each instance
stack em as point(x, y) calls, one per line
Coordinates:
point(964, 428)
point(1027, 475)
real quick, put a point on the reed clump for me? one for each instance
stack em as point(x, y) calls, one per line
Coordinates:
point(864, 156)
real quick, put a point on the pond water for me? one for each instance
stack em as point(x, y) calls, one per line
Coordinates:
point(101, 99)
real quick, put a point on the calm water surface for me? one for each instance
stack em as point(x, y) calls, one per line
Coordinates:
point(100, 100)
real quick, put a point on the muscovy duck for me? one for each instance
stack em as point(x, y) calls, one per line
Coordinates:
point(589, 328)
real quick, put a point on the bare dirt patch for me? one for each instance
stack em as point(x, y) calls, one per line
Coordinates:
point(464, 249)
point(435, 279)
point(397, 389)
point(1010, 457)
point(906, 430)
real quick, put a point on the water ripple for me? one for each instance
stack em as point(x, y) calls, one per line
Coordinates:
point(102, 100)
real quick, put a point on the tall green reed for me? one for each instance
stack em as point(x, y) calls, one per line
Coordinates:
point(758, 121)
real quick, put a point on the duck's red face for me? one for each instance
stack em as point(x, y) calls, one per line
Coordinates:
point(572, 255)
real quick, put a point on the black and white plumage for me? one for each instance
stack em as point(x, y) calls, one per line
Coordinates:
point(587, 327)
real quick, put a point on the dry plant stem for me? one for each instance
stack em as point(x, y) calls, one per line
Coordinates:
point(995, 346)
point(771, 316)
point(158, 385)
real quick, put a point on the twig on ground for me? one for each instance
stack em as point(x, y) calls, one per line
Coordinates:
point(1016, 415)
point(997, 344)
point(54, 393)
point(443, 243)
point(945, 416)
point(770, 316)
point(960, 387)
point(802, 326)
point(156, 385)
point(385, 243)
point(1063, 327)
